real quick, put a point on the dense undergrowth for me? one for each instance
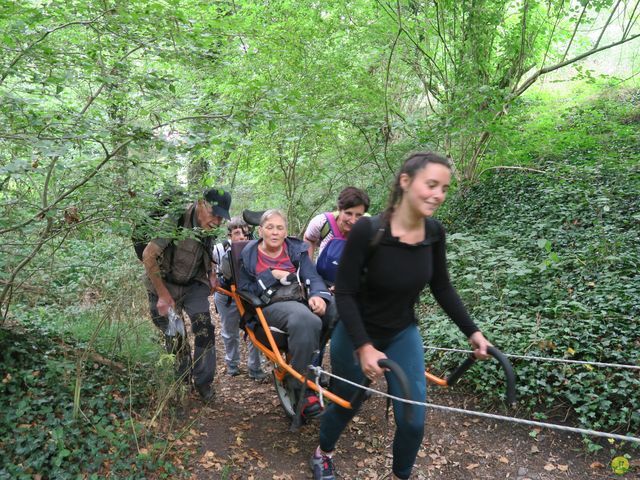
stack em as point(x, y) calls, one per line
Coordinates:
point(40, 437)
point(84, 378)
point(548, 264)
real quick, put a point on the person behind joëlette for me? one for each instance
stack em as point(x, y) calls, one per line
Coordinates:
point(376, 292)
point(178, 270)
point(353, 203)
point(237, 230)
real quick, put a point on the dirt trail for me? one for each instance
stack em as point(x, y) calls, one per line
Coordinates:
point(244, 434)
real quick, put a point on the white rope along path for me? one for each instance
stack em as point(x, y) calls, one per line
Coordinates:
point(544, 359)
point(319, 371)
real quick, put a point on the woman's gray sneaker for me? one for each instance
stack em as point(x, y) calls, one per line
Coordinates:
point(322, 467)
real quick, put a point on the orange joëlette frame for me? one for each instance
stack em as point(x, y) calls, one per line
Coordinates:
point(273, 353)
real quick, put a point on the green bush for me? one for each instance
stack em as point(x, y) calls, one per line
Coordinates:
point(548, 266)
point(39, 433)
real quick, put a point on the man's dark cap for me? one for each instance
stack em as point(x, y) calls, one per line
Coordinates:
point(220, 202)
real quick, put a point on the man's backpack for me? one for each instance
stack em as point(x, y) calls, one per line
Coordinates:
point(329, 259)
point(168, 202)
point(222, 260)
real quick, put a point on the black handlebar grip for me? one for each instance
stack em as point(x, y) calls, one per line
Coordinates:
point(504, 363)
point(402, 380)
point(508, 372)
point(458, 372)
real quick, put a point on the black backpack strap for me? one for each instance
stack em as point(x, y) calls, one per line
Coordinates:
point(375, 236)
point(378, 228)
point(377, 232)
point(433, 230)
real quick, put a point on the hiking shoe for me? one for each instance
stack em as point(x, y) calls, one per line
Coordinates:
point(311, 407)
point(322, 467)
point(233, 371)
point(206, 392)
point(257, 375)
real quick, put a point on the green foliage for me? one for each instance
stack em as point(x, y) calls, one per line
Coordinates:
point(103, 102)
point(597, 120)
point(548, 265)
point(39, 433)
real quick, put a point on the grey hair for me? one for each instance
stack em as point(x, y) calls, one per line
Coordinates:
point(271, 213)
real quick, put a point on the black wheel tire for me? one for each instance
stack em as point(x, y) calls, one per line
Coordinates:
point(286, 395)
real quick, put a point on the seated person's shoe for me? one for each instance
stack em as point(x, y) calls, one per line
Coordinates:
point(257, 375)
point(311, 407)
point(325, 380)
point(206, 392)
point(322, 467)
point(233, 371)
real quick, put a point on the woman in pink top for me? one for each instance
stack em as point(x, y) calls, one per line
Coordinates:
point(353, 203)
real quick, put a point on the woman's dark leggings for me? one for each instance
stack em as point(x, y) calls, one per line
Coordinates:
point(405, 348)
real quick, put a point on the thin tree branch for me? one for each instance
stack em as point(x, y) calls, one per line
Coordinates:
point(441, 37)
point(613, 10)
point(42, 38)
point(69, 191)
point(9, 286)
point(104, 84)
point(575, 30)
point(387, 132)
point(414, 42)
point(47, 180)
point(531, 80)
point(632, 20)
point(523, 33)
point(195, 117)
point(553, 31)
point(510, 167)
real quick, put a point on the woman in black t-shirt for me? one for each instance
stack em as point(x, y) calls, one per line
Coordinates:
point(377, 308)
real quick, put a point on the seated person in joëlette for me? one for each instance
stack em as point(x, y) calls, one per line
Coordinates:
point(275, 264)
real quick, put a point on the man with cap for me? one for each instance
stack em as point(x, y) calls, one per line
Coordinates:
point(178, 270)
